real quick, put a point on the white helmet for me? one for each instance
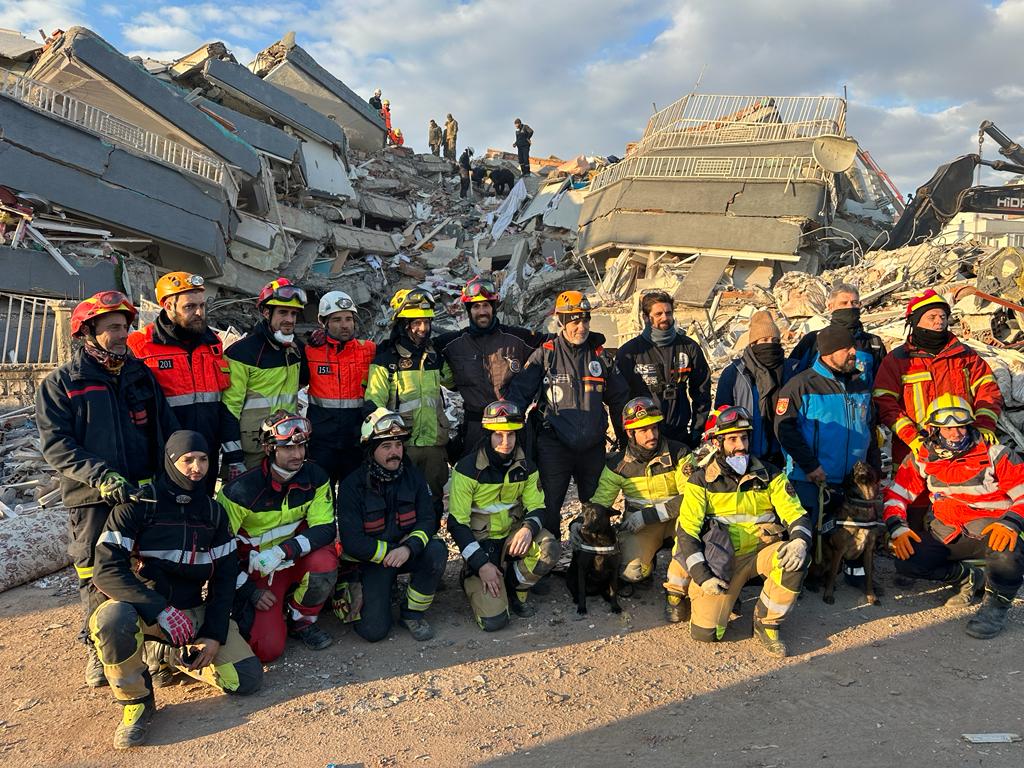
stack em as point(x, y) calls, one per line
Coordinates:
point(335, 301)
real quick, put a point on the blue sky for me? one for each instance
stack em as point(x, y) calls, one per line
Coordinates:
point(921, 74)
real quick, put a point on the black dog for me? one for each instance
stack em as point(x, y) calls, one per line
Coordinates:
point(595, 566)
point(503, 179)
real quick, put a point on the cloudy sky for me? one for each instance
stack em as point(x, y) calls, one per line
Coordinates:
point(920, 74)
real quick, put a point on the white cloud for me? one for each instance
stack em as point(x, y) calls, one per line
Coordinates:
point(29, 16)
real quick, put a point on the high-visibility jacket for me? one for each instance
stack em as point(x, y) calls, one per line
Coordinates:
point(193, 379)
point(910, 378)
point(338, 372)
point(265, 376)
point(297, 516)
point(745, 505)
point(656, 485)
point(408, 379)
point(488, 502)
point(985, 482)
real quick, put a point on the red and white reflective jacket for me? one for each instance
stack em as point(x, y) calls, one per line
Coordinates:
point(985, 483)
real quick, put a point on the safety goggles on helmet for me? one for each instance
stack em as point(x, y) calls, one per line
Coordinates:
point(288, 293)
point(416, 303)
point(288, 430)
point(641, 412)
point(949, 411)
point(111, 299)
point(384, 426)
point(729, 419)
point(100, 304)
point(282, 293)
point(479, 289)
point(502, 416)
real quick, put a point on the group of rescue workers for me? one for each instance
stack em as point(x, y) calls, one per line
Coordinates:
point(178, 576)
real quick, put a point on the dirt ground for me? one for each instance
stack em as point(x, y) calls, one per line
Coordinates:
point(895, 684)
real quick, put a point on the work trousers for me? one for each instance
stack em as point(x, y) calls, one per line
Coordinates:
point(524, 159)
point(936, 561)
point(463, 182)
point(558, 465)
point(710, 614)
point(85, 525)
point(449, 150)
point(249, 422)
point(435, 150)
point(338, 461)
point(639, 549)
point(119, 633)
point(432, 461)
point(307, 584)
point(491, 612)
point(426, 568)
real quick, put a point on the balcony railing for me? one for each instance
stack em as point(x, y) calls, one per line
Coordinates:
point(43, 98)
point(741, 168)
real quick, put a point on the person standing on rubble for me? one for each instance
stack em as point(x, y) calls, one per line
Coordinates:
point(103, 422)
point(375, 101)
point(434, 138)
point(484, 357)
point(752, 381)
point(266, 367)
point(451, 135)
point(667, 365)
point(406, 376)
point(524, 138)
point(930, 363)
point(187, 359)
point(573, 381)
point(465, 166)
point(338, 366)
point(844, 305)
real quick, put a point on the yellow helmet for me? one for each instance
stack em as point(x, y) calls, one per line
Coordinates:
point(949, 411)
point(174, 283)
point(412, 304)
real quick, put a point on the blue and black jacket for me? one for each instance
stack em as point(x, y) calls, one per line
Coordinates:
point(737, 385)
point(870, 351)
point(824, 420)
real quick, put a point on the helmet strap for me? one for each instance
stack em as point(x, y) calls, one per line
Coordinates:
point(111, 361)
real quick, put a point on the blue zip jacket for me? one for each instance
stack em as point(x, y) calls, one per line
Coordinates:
point(822, 420)
point(737, 386)
point(870, 351)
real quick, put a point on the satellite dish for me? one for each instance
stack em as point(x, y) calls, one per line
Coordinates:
point(834, 154)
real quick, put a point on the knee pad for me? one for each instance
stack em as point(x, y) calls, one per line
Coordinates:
point(493, 623)
point(250, 676)
point(116, 631)
point(319, 588)
point(703, 634)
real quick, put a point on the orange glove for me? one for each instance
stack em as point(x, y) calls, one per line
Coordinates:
point(1001, 536)
point(900, 540)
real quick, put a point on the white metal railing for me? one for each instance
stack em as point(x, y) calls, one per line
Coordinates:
point(710, 120)
point(44, 98)
point(741, 168)
point(30, 329)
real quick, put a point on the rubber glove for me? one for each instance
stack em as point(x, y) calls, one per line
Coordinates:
point(793, 555)
point(1000, 537)
point(715, 587)
point(901, 542)
point(637, 520)
point(177, 625)
point(267, 561)
point(988, 435)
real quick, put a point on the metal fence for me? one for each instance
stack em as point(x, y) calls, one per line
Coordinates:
point(42, 97)
point(741, 168)
point(36, 331)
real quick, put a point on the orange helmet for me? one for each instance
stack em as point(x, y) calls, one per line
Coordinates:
point(101, 304)
point(174, 283)
point(571, 302)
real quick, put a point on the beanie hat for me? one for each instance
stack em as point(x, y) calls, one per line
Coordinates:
point(763, 326)
point(833, 338)
point(185, 441)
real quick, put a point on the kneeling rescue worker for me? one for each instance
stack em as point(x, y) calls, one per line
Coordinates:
point(977, 512)
point(734, 514)
point(283, 515)
point(495, 516)
point(156, 589)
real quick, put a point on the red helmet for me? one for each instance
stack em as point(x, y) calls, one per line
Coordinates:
point(100, 304)
point(927, 298)
point(479, 289)
point(281, 293)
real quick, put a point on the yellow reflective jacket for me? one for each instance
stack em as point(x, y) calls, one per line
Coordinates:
point(656, 485)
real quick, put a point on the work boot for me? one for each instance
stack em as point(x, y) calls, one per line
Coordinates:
point(311, 636)
point(677, 609)
point(135, 719)
point(419, 628)
point(969, 588)
point(94, 676)
point(516, 596)
point(542, 587)
point(769, 637)
point(990, 619)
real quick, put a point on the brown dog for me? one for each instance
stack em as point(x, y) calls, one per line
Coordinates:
point(854, 531)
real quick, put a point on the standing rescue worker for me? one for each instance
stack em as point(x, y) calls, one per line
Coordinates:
point(977, 512)
point(103, 422)
point(465, 166)
point(483, 357)
point(650, 474)
point(375, 101)
point(524, 138)
point(734, 514)
point(282, 513)
point(451, 135)
point(495, 516)
point(156, 590)
point(667, 365)
point(187, 359)
point(338, 368)
point(406, 377)
point(932, 362)
point(387, 523)
point(266, 367)
point(573, 380)
point(434, 137)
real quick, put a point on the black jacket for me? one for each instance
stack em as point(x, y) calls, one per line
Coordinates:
point(156, 555)
point(676, 376)
point(374, 517)
point(524, 136)
point(92, 422)
point(870, 351)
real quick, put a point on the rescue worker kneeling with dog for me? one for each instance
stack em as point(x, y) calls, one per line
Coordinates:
point(977, 512)
point(156, 589)
point(649, 473)
point(495, 516)
point(733, 516)
point(283, 515)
